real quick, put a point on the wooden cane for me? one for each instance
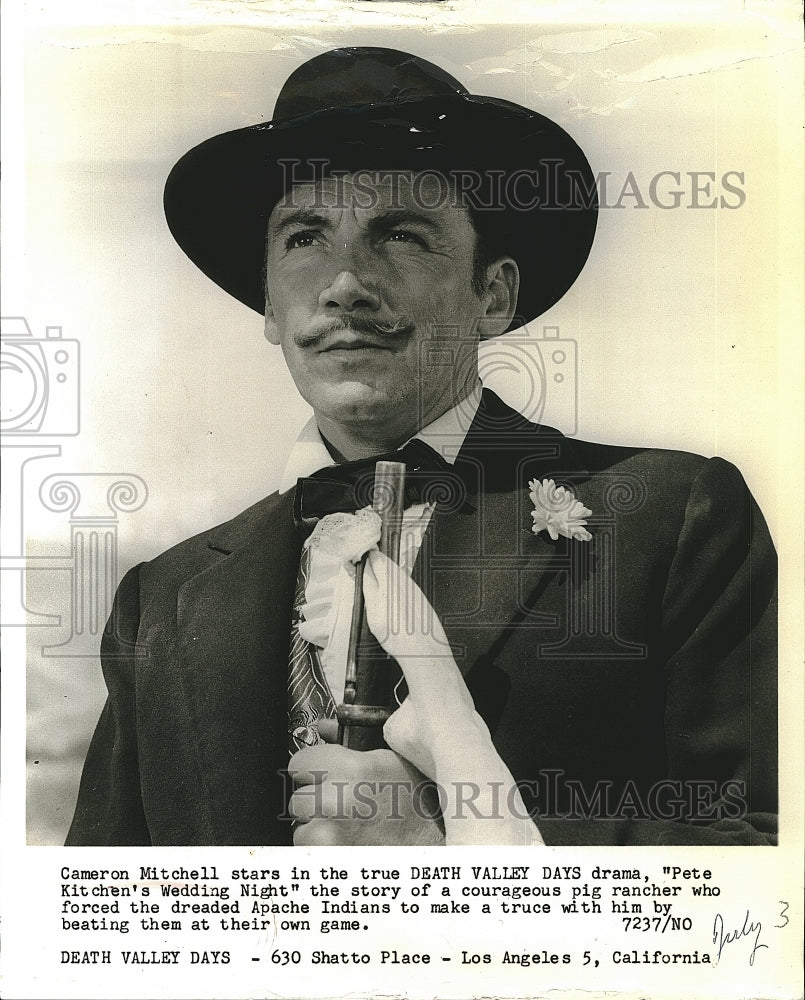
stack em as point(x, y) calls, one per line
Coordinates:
point(371, 675)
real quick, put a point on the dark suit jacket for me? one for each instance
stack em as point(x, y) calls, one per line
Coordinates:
point(630, 681)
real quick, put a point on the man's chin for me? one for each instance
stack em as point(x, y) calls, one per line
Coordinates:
point(354, 402)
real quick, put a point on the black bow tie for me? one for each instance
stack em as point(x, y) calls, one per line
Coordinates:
point(349, 487)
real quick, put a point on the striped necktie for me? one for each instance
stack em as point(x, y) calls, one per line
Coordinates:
point(309, 696)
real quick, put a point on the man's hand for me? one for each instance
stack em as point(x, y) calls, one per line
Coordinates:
point(380, 796)
point(356, 797)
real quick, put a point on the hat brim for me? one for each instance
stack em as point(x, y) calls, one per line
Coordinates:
point(219, 196)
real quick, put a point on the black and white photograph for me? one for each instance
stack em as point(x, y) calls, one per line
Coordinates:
point(402, 444)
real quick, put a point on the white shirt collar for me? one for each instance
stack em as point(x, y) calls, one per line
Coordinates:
point(445, 435)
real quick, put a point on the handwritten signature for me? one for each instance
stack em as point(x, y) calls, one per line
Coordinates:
point(723, 937)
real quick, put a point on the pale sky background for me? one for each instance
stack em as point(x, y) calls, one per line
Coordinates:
point(676, 318)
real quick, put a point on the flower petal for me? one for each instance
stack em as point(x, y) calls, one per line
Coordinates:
point(558, 511)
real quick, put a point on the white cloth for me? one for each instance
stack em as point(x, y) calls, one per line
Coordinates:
point(329, 595)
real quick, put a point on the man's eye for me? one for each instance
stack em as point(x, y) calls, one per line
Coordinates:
point(404, 236)
point(305, 238)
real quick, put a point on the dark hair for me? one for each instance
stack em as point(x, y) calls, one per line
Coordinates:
point(486, 252)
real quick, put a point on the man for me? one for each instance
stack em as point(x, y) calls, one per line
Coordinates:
point(609, 610)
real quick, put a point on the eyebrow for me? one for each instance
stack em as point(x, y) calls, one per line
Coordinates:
point(402, 217)
point(301, 217)
point(385, 220)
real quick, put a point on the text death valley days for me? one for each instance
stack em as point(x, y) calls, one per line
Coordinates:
point(203, 885)
point(265, 883)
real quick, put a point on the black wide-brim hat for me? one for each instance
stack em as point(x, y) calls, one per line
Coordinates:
point(380, 109)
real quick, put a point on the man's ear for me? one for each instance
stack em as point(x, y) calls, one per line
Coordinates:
point(500, 299)
point(270, 331)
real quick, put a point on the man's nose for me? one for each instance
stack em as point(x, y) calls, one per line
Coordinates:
point(348, 292)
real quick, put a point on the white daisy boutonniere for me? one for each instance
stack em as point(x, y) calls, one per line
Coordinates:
point(557, 511)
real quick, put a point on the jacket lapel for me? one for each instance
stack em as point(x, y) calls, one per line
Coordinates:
point(482, 567)
point(233, 628)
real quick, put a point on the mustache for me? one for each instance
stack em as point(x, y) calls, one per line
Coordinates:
point(356, 323)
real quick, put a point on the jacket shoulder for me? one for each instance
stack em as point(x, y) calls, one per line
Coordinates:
point(193, 554)
point(670, 480)
point(665, 464)
point(578, 456)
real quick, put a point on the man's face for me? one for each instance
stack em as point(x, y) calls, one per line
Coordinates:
point(361, 276)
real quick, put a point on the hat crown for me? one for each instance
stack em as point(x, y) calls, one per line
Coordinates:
point(361, 76)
